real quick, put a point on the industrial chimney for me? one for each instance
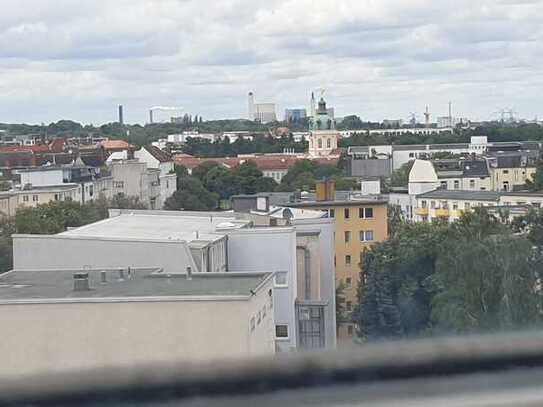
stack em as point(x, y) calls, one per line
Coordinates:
point(251, 106)
point(121, 118)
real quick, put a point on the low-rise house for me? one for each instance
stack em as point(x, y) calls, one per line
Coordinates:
point(510, 170)
point(449, 205)
point(134, 316)
point(158, 159)
point(133, 178)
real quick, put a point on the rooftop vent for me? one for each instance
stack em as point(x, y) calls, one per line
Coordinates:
point(81, 281)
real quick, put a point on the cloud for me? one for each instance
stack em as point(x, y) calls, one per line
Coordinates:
point(376, 58)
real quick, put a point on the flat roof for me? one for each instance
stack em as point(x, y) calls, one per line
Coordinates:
point(153, 226)
point(59, 284)
point(353, 202)
point(461, 195)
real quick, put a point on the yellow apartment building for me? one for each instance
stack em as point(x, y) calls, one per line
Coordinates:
point(359, 224)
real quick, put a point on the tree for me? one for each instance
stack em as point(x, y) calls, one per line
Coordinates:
point(192, 195)
point(379, 317)
point(400, 176)
point(487, 285)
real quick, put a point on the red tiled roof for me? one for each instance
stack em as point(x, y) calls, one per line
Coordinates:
point(57, 146)
point(161, 155)
point(116, 145)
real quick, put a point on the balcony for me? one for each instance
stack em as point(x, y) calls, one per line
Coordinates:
point(421, 211)
point(442, 213)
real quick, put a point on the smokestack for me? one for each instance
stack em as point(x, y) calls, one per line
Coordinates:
point(81, 281)
point(189, 273)
point(251, 106)
point(121, 119)
point(151, 116)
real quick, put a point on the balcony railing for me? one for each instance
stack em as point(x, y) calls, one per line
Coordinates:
point(421, 211)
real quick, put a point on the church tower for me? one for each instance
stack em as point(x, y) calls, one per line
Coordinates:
point(324, 137)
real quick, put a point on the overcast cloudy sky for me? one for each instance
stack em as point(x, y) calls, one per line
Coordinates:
point(79, 59)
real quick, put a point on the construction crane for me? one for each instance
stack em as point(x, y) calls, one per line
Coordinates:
point(162, 109)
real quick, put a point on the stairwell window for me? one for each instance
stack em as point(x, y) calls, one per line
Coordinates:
point(281, 331)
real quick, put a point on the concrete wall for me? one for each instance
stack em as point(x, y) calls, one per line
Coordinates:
point(369, 168)
point(32, 252)
point(42, 178)
point(269, 249)
point(56, 337)
point(132, 176)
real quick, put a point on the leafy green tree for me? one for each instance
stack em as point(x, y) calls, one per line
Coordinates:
point(530, 225)
point(487, 285)
point(201, 171)
point(222, 182)
point(192, 196)
point(400, 176)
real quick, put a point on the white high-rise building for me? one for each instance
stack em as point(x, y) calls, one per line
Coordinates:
point(261, 112)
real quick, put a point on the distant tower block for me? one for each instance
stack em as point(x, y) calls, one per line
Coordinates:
point(151, 116)
point(312, 110)
point(251, 106)
point(121, 119)
point(427, 117)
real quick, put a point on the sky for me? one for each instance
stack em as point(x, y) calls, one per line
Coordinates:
point(80, 59)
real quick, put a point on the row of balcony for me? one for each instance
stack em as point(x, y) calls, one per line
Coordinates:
point(439, 212)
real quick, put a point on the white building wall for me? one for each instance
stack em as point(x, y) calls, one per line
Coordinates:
point(42, 178)
point(79, 336)
point(270, 249)
point(33, 252)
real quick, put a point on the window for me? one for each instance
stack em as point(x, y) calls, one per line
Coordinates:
point(91, 190)
point(328, 144)
point(455, 206)
point(432, 204)
point(35, 198)
point(319, 141)
point(366, 235)
point(365, 213)
point(347, 237)
point(467, 205)
point(57, 197)
point(456, 184)
point(348, 260)
point(443, 184)
point(332, 213)
point(350, 330)
point(348, 282)
point(349, 306)
point(423, 204)
point(25, 198)
point(281, 279)
point(118, 184)
point(281, 331)
point(347, 213)
point(472, 183)
point(506, 171)
point(411, 155)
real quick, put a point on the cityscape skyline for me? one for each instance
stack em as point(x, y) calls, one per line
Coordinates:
point(376, 60)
